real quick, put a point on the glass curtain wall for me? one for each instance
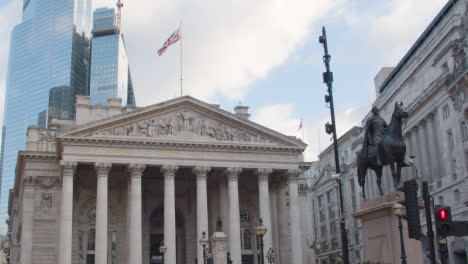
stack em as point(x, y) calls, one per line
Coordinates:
point(49, 51)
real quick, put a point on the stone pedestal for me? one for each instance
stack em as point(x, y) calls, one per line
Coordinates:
point(380, 232)
point(219, 247)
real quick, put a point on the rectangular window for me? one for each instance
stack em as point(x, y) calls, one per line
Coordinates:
point(456, 195)
point(91, 239)
point(445, 112)
point(323, 232)
point(331, 197)
point(321, 201)
point(450, 140)
point(464, 130)
point(332, 228)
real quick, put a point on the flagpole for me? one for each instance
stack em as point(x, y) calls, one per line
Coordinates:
point(302, 131)
point(181, 87)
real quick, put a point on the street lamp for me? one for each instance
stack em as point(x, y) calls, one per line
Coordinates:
point(162, 250)
point(271, 256)
point(203, 243)
point(399, 210)
point(261, 230)
point(338, 260)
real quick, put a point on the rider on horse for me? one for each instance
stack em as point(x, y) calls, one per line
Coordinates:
point(375, 129)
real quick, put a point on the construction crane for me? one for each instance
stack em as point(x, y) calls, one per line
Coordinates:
point(119, 13)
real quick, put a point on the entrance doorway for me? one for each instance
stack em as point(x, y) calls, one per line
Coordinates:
point(155, 242)
point(247, 243)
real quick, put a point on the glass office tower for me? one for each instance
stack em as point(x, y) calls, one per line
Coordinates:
point(49, 51)
point(110, 74)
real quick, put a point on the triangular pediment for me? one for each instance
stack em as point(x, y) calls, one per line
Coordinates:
point(184, 119)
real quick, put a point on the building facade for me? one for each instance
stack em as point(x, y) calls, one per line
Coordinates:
point(110, 190)
point(324, 209)
point(110, 74)
point(49, 48)
point(431, 82)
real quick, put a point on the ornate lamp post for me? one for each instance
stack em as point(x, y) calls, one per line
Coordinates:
point(271, 256)
point(261, 230)
point(203, 243)
point(399, 210)
point(162, 250)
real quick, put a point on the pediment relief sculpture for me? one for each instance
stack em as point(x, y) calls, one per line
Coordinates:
point(182, 123)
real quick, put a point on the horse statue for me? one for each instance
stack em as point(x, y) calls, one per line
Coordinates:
point(392, 149)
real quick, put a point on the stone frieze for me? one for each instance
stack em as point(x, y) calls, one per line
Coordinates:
point(182, 123)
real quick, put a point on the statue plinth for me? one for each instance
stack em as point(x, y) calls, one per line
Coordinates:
point(219, 247)
point(380, 233)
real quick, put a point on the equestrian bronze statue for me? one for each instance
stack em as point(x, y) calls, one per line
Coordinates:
point(383, 145)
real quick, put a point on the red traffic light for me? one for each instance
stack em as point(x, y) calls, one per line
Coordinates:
point(443, 214)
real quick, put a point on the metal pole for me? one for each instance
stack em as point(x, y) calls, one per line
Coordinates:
point(204, 254)
point(262, 261)
point(402, 242)
point(430, 232)
point(328, 79)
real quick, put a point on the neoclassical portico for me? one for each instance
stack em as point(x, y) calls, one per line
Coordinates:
point(166, 173)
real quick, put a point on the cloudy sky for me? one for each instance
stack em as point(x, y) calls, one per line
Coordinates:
point(262, 53)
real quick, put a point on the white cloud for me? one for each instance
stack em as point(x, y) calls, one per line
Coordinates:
point(391, 33)
point(280, 117)
point(227, 45)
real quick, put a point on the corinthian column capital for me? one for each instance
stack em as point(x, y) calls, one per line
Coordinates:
point(201, 171)
point(102, 168)
point(233, 173)
point(136, 170)
point(169, 170)
point(68, 167)
point(293, 175)
point(263, 174)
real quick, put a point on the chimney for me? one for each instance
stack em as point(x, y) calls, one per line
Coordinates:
point(242, 111)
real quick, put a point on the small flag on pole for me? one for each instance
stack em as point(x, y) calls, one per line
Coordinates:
point(171, 40)
point(300, 126)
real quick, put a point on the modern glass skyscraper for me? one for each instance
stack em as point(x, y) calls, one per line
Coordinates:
point(49, 51)
point(110, 74)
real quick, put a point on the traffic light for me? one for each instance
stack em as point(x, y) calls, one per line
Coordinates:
point(410, 188)
point(328, 128)
point(443, 219)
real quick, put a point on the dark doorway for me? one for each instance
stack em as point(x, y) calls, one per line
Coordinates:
point(155, 242)
point(247, 259)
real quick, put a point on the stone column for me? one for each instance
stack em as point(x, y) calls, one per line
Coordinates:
point(264, 205)
point(66, 212)
point(135, 228)
point(27, 219)
point(202, 206)
point(169, 213)
point(234, 223)
point(295, 225)
point(433, 151)
point(102, 173)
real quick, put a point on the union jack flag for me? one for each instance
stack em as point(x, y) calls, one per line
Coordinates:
point(171, 40)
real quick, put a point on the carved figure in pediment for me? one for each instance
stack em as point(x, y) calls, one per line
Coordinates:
point(219, 131)
point(120, 131)
point(166, 125)
point(186, 123)
point(151, 128)
point(202, 130)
